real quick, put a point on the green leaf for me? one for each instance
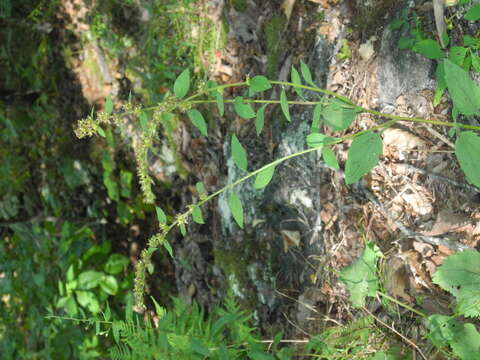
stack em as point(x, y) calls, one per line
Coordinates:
point(317, 113)
point(317, 139)
point(464, 339)
point(183, 230)
point(339, 115)
point(239, 154)
point(109, 284)
point(115, 263)
point(473, 14)
point(363, 155)
point(441, 84)
point(242, 109)
point(143, 120)
point(295, 76)
point(463, 91)
point(428, 48)
point(260, 119)
point(330, 158)
point(263, 177)
point(197, 215)
point(284, 105)
point(220, 103)
point(406, 43)
point(460, 275)
point(467, 150)
point(88, 300)
point(476, 62)
point(201, 190)
point(182, 84)
point(162, 219)
point(457, 55)
point(108, 105)
point(198, 121)
point(259, 83)
point(168, 247)
point(307, 75)
point(89, 279)
point(160, 311)
point(361, 276)
point(471, 41)
point(126, 183)
point(235, 205)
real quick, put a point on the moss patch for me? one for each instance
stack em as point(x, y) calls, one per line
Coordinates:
point(273, 31)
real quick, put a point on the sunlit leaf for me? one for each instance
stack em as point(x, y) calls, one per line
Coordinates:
point(361, 276)
point(198, 121)
point(235, 205)
point(182, 84)
point(363, 155)
point(263, 177)
point(459, 274)
point(243, 110)
point(109, 284)
point(463, 91)
point(239, 154)
point(338, 115)
point(330, 158)
point(259, 83)
point(467, 150)
point(108, 105)
point(317, 139)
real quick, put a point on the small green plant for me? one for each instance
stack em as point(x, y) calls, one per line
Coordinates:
point(459, 275)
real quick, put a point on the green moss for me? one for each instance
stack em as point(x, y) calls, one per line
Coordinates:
point(370, 14)
point(273, 31)
point(239, 5)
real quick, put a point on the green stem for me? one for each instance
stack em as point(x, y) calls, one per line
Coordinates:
point(418, 312)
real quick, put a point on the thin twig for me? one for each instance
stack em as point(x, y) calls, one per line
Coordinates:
point(407, 340)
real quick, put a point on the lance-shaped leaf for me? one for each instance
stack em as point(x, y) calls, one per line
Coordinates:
point(363, 155)
point(317, 113)
point(263, 177)
point(260, 119)
point(220, 103)
point(284, 105)
point(108, 105)
point(197, 215)
point(239, 154)
point(242, 109)
point(330, 158)
point(307, 75)
point(162, 219)
point(182, 84)
point(463, 91)
point(295, 76)
point(467, 150)
point(258, 83)
point(235, 205)
point(317, 139)
point(339, 115)
point(198, 121)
